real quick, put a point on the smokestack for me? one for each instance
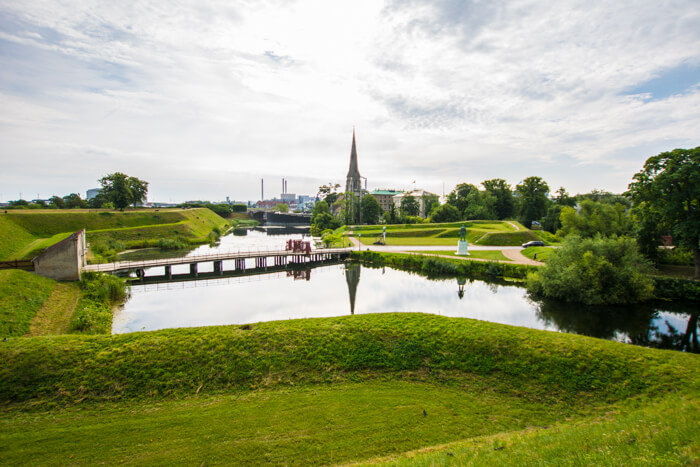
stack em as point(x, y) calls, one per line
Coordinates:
point(262, 189)
point(282, 186)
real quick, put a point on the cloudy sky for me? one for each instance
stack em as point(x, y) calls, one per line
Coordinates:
point(204, 98)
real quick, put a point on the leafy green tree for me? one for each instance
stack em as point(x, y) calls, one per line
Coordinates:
point(57, 202)
point(669, 185)
point(122, 190)
point(139, 190)
point(459, 196)
point(503, 194)
point(391, 216)
point(602, 196)
point(96, 201)
point(281, 207)
point(480, 205)
point(324, 221)
point(409, 206)
point(116, 189)
point(19, 203)
point(563, 198)
point(74, 201)
point(429, 202)
point(370, 210)
point(350, 208)
point(444, 213)
point(594, 219)
point(328, 193)
point(552, 221)
point(319, 208)
point(594, 271)
point(532, 200)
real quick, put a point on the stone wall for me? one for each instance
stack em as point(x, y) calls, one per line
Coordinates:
point(63, 261)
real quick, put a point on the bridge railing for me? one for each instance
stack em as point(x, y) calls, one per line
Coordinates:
point(201, 258)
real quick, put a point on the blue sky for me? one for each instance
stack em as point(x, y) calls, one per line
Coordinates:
point(205, 98)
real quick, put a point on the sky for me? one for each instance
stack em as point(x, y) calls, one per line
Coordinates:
point(203, 98)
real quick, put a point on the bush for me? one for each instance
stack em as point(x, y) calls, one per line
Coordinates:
point(595, 271)
point(239, 208)
point(100, 293)
point(172, 244)
point(676, 257)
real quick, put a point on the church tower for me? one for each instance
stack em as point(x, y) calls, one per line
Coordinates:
point(354, 180)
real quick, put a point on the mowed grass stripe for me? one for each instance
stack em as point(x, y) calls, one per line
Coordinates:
point(54, 316)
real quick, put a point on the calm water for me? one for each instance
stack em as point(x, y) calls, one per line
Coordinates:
point(350, 288)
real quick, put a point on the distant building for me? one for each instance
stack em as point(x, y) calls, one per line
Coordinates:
point(92, 192)
point(289, 198)
point(385, 198)
point(418, 195)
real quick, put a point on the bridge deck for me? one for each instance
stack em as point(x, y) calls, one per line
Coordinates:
point(223, 256)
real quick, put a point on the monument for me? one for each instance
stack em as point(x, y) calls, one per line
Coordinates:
point(462, 245)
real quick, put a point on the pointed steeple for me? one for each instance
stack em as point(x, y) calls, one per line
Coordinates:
point(353, 171)
point(354, 179)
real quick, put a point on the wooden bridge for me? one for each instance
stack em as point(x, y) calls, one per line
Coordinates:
point(262, 259)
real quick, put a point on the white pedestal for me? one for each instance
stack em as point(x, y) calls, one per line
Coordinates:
point(462, 248)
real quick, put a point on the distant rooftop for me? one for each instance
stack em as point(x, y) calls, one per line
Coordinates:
point(386, 192)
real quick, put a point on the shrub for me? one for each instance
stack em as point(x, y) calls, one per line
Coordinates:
point(595, 271)
point(100, 293)
point(172, 244)
point(239, 208)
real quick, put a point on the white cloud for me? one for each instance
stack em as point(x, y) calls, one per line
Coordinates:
point(445, 91)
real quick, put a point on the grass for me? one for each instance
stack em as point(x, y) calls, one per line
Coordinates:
point(495, 233)
point(493, 255)
point(336, 390)
point(543, 253)
point(22, 294)
point(54, 316)
point(658, 434)
point(26, 233)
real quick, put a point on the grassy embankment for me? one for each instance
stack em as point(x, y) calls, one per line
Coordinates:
point(487, 233)
point(345, 389)
point(543, 253)
point(25, 233)
point(32, 305)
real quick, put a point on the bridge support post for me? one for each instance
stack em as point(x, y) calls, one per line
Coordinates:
point(169, 271)
point(240, 264)
point(141, 274)
point(219, 267)
point(193, 269)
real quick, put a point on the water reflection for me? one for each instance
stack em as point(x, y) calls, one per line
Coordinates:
point(326, 290)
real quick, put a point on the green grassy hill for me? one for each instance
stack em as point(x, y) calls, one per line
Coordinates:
point(25, 233)
point(21, 295)
point(491, 233)
point(332, 390)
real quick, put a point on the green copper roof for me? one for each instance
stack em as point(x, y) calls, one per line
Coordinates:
point(386, 192)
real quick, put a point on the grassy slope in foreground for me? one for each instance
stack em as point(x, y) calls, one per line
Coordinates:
point(21, 295)
point(315, 391)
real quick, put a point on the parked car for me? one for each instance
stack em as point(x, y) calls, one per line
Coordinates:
point(533, 243)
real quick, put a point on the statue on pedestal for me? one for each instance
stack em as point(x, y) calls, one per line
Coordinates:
point(462, 245)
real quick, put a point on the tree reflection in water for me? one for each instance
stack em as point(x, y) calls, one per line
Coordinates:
point(637, 324)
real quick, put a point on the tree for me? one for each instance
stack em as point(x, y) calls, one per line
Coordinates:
point(500, 189)
point(458, 196)
point(532, 200)
point(116, 189)
point(73, 201)
point(350, 208)
point(139, 190)
point(480, 205)
point(281, 207)
point(429, 202)
point(391, 216)
point(324, 221)
point(370, 210)
point(444, 213)
point(562, 198)
point(328, 193)
point(594, 219)
point(409, 206)
point(57, 202)
point(669, 185)
point(594, 271)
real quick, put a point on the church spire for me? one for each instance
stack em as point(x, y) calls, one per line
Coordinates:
point(353, 171)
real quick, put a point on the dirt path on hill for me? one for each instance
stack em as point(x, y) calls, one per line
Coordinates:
point(55, 314)
point(514, 226)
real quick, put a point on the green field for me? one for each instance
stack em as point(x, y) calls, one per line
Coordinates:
point(492, 255)
point(338, 390)
point(543, 253)
point(26, 233)
point(491, 233)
